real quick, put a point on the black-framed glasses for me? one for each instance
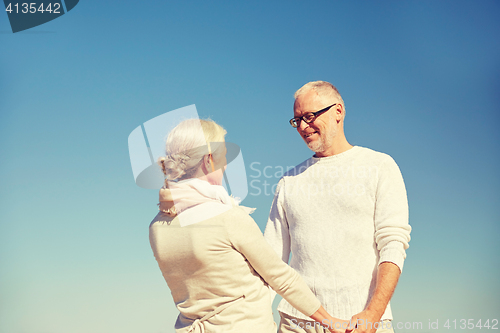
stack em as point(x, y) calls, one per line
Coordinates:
point(309, 117)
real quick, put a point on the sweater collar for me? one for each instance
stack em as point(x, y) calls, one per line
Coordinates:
point(337, 157)
point(187, 194)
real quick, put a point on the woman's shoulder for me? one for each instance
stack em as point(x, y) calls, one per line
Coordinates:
point(238, 214)
point(238, 222)
point(161, 218)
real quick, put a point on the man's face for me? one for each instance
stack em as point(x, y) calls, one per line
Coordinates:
point(319, 134)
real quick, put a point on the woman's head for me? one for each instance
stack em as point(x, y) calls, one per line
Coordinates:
point(188, 148)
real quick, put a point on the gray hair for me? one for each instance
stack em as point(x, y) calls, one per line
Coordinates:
point(186, 145)
point(325, 90)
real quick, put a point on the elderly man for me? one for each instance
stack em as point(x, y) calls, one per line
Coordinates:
point(343, 213)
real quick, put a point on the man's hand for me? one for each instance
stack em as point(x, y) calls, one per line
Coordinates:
point(368, 320)
point(364, 322)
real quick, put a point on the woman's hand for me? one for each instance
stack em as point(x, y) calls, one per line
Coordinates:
point(338, 325)
point(334, 325)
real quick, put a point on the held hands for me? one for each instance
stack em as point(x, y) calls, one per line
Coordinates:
point(337, 325)
point(364, 322)
point(334, 325)
point(367, 321)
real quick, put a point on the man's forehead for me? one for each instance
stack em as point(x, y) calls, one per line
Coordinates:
point(308, 102)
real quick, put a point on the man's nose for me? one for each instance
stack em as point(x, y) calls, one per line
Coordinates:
point(302, 125)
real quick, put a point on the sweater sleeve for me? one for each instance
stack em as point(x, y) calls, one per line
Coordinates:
point(392, 231)
point(247, 239)
point(277, 233)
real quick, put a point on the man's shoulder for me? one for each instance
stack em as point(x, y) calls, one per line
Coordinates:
point(373, 155)
point(383, 163)
point(298, 169)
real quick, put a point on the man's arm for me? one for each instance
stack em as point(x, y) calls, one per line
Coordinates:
point(387, 279)
point(392, 234)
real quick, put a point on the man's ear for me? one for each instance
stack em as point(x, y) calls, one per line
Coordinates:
point(339, 112)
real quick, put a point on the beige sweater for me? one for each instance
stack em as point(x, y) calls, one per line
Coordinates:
point(218, 261)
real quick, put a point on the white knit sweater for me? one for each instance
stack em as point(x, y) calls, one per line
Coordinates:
point(340, 216)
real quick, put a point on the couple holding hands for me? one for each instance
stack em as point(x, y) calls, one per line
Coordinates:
point(343, 213)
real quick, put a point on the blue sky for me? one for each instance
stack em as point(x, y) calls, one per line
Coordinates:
point(420, 81)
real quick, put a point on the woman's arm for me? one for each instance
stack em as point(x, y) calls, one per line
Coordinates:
point(247, 238)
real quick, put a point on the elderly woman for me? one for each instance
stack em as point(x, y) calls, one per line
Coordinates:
point(211, 252)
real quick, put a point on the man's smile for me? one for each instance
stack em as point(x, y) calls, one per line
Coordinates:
point(308, 135)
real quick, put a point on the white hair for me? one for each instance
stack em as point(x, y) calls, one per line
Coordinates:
point(325, 90)
point(186, 145)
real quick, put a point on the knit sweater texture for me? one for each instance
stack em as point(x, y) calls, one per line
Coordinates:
point(340, 217)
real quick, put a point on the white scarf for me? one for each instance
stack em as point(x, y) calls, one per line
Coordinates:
point(196, 200)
